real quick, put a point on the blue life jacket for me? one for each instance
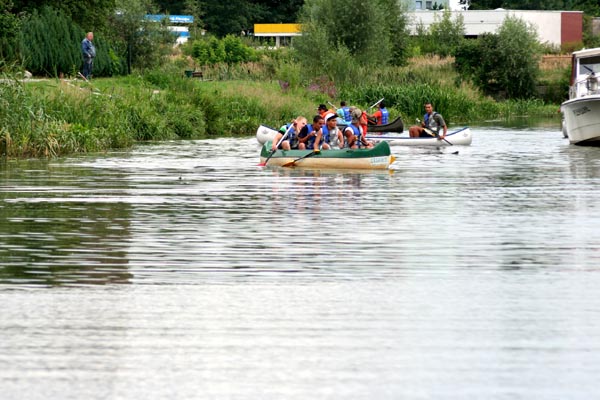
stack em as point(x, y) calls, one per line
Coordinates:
point(385, 116)
point(292, 136)
point(356, 133)
point(347, 116)
point(326, 136)
point(311, 141)
point(431, 123)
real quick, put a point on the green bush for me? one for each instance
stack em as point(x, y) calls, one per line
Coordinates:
point(456, 105)
point(504, 65)
point(443, 37)
point(377, 36)
point(10, 25)
point(42, 122)
point(467, 58)
point(50, 43)
point(518, 56)
point(229, 50)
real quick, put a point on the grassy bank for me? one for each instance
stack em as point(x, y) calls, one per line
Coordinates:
point(58, 117)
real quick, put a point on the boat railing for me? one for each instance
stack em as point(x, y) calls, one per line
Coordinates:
point(587, 85)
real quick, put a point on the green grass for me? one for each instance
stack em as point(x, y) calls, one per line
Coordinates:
point(55, 117)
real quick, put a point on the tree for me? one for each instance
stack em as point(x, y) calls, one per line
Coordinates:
point(194, 8)
point(518, 53)
point(396, 28)
point(446, 35)
point(360, 28)
point(229, 17)
point(275, 11)
point(144, 42)
point(253, 11)
point(9, 29)
point(341, 36)
point(91, 15)
point(50, 42)
point(506, 62)
point(172, 7)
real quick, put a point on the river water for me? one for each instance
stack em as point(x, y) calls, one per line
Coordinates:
point(182, 270)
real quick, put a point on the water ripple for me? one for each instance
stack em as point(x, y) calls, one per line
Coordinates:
point(181, 211)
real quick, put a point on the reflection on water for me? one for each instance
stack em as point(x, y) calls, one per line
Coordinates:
point(56, 229)
point(178, 271)
point(181, 211)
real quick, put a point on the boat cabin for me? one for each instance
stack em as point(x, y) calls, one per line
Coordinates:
point(585, 69)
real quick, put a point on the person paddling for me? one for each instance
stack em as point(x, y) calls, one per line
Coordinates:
point(344, 113)
point(381, 116)
point(291, 141)
point(308, 134)
point(431, 125)
point(330, 135)
point(355, 132)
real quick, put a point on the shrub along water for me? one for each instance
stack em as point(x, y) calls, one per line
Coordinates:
point(57, 117)
point(457, 105)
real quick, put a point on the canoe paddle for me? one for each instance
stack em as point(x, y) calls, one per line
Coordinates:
point(264, 164)
point(293, 163)
point(378, 101)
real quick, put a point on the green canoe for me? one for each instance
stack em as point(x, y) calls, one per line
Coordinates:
point(379, 157)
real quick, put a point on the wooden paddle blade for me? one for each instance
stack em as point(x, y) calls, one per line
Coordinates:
point(293, 163)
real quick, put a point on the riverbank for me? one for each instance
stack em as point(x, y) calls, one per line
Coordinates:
point(52, 118)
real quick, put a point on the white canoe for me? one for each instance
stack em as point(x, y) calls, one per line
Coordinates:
point(460, 137)
point(265, 133)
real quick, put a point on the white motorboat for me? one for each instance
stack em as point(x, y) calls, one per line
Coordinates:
point(581, 113)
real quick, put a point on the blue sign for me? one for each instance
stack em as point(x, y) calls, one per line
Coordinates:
point(174, 19)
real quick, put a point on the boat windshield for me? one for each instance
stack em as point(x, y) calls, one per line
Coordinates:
point(589, 64)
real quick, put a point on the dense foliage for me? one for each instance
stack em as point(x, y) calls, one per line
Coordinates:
point(443, 37)
point(46, 40)
point(350, 50)
point(229, 50)
point(50, 42)
point(505, 63)
point(341, 35)
point(90, 15)
point(144, 43)
point(234, 16)
point(9, 30)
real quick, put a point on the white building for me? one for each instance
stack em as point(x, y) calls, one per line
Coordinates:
point(553, 27)
point(452, 5)
point(178, 25)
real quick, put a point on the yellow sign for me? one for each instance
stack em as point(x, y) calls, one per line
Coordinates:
point(277, 29)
